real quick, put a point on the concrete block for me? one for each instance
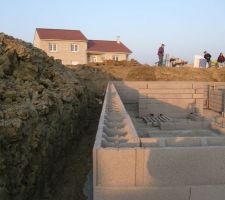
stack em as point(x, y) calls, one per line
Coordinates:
point(139, 173)
point(142, 193)
point(183, 142)
point(201, 85)
point(206, 124)
point(165, 106)
point(167, 126)
point(116, 167)
point(195, 124)
point(216, 100)
point(216, 105)
point(201, 91)
point(179, 166)
point(199, 101)
point(186, 125)
point(170, 84)
point(132, 84)
point(209, 192)
point(204, 141)
point(198, 96)
point(167, 91)
point(176, 102)
point(170, 96)
point(215, 93)
point(150, 142)
point(216, 141)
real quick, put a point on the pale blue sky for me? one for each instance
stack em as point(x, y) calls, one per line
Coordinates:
point(186, 27)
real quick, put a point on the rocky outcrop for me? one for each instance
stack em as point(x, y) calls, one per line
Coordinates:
point(41, 103)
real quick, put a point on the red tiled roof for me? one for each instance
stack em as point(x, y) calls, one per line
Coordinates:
point(107, 46)
point(60, 34)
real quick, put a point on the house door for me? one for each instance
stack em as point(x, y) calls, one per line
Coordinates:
point(93, 58)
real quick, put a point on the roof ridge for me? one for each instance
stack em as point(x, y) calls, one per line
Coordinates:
point(67, 34)
point(104, 40)
point(59, 29)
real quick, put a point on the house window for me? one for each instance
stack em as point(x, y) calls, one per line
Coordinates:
point(52, 47)
point(116, 58)
point(74, 47)
point(93, 58)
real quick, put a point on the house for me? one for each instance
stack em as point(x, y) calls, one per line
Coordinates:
point(72, 47)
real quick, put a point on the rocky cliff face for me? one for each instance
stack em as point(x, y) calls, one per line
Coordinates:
point(41, 104)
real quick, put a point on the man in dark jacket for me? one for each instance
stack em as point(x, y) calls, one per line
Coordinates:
point(161, 54)
point(221, 60)
point(207, 56)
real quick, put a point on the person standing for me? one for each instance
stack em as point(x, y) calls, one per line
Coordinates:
point(161, 55)
point(207, 56)
point(221, 60)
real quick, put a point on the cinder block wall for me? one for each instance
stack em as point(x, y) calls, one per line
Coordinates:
point(159, 168)
point(174, 100)
point(216, 98)
point(128, 90)
point(129, 93)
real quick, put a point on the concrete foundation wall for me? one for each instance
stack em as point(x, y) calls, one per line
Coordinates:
point(173, 102)
point(157, 167)
point(115, 127)
point(208, 192)
point(128, 90)
point(163, 168)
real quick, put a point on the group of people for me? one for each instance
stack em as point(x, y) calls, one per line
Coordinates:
point(207, 56)
point(220, 59)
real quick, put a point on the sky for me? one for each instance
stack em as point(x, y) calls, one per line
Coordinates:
point(187, 28)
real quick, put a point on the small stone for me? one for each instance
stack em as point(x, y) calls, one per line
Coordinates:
point(10, 94)
point(8, 101)
point(17, 123)
point(22, 114)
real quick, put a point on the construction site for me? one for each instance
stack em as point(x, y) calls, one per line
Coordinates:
point(116, 130)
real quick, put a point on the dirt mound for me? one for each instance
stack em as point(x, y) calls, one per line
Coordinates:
point(41, 103)
point(151, 73)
